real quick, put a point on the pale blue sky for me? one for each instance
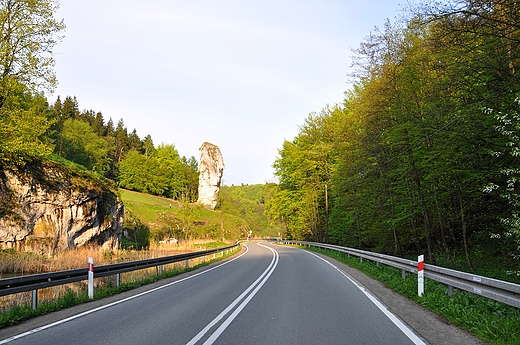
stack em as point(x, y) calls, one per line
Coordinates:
point(240, 74)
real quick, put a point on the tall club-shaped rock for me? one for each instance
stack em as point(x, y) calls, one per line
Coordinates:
point(211, 169)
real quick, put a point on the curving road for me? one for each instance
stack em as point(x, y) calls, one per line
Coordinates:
point(268, 295)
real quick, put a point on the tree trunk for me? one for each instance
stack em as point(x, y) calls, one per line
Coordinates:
point(441, 222)
point(412, 222)
point(427, 225)
point(326, 214)
point(359, 229)
point(397, 244)
point(315, 219)
point(464, 230)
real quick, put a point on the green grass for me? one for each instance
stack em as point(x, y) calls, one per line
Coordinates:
point(213, 245)
point(491, 321)
point(181, 221)
point(147, 207)
point(78, 175)
point(19, 314)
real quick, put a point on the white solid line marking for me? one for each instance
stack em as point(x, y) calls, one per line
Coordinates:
point(268, 271)
point(237, 311)
point(407, 331)
point(22, 335)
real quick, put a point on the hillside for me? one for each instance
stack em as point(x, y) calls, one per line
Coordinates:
point(151, 218)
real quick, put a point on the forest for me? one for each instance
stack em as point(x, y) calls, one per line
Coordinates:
point(422, 155)
point(31, 127)
point(84, 138)
point(110, 150)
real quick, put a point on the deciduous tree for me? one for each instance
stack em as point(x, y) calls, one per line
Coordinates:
point(28, 34)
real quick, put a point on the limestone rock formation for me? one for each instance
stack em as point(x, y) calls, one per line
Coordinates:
point(47, 209)
point(211, 168)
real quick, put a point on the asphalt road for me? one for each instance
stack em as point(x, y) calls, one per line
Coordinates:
point(268, 295)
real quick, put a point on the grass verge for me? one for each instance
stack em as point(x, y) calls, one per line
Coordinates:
point(18, 314)
point(493, 322)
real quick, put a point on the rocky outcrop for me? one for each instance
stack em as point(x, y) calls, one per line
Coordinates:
point(211, 169)
point(48, 208)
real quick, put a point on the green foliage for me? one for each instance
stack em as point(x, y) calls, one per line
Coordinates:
point(24, 128)
point(248, 202)
point(83, 146)
point(21, 133)
point(191, 178)
point(76, 176)
point(114, 152)
point(304, 170)
point(29, 33)
point(401, 166)
point(134, 171)
point(160, 173)
point(137, 234)
point(509, 127)
point(169, 168)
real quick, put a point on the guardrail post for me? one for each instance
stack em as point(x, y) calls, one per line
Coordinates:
point(34, 300)
point(450, 290)
point(90, 278)
point(187, 264)
point(420, 275)
point(403, 274)
point(118, 279)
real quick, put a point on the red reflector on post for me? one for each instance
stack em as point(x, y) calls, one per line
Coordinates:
point(420, 275)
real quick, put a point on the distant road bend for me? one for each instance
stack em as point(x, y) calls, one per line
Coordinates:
point(267, 295)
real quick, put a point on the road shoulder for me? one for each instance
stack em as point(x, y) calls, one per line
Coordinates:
point(434, 329)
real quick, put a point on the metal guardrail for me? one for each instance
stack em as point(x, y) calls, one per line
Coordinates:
point(39, 281)
point(498, 290)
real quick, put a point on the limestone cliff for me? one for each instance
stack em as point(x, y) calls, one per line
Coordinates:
point(211, 169)
point(46, 208)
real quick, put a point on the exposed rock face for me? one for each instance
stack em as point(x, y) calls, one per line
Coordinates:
point(211, 168)
point(47, 209)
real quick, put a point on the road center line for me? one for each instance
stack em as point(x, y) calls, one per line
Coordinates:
point(258, 283)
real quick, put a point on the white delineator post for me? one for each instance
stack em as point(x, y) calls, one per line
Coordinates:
point(91, 278)
point(420, 275)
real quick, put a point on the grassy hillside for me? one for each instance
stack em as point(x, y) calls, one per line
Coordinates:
point(150, 218)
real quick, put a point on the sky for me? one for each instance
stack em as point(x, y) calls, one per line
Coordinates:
point(240, 74)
